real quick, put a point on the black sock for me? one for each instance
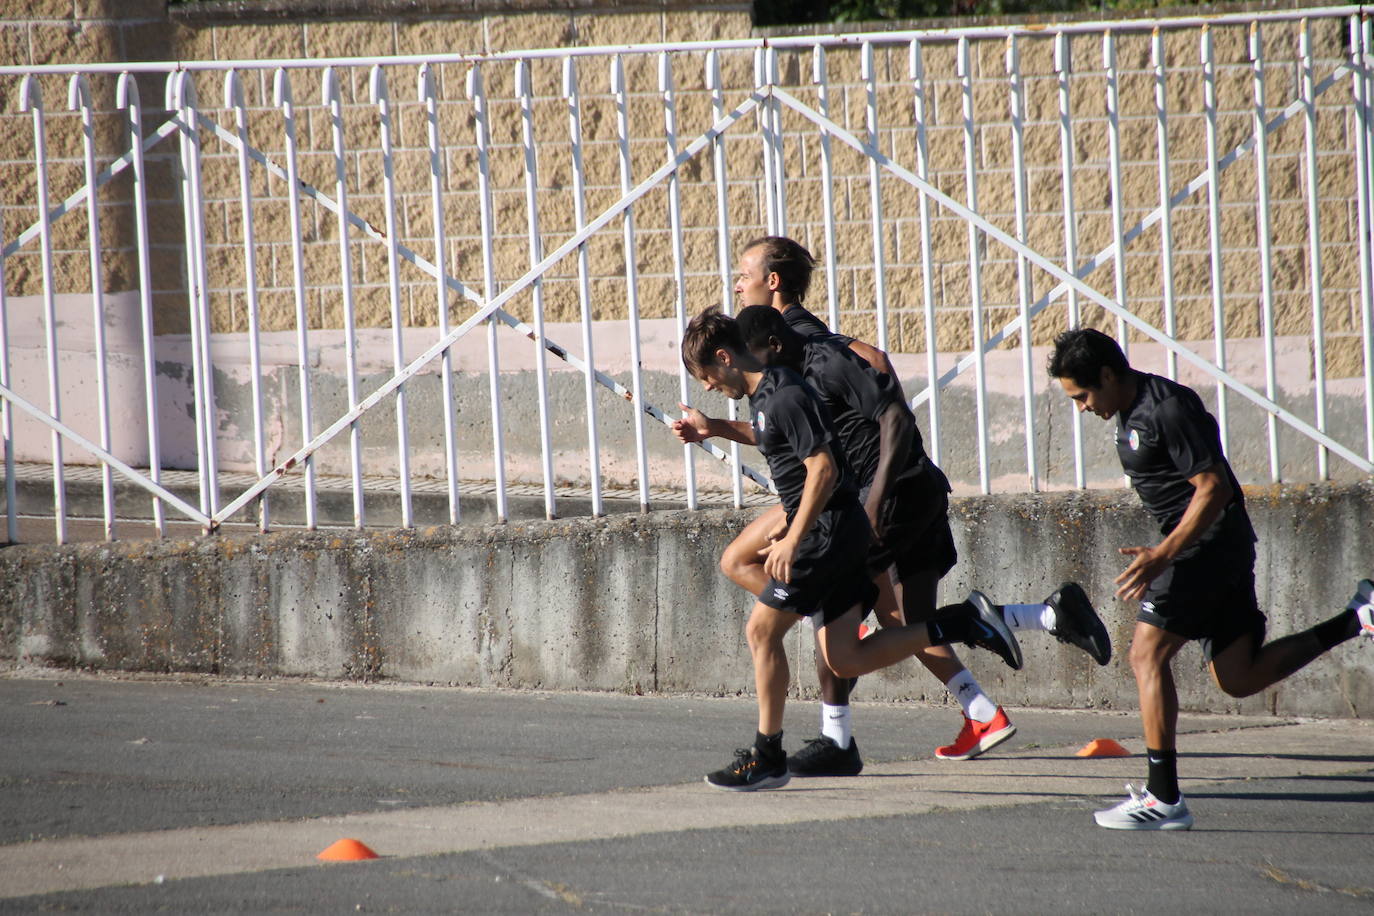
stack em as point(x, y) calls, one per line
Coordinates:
point(1162, 782)
point(768, 745)
point(1333, 632)
point(953, 623)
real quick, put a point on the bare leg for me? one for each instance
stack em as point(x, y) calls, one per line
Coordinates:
point(848, 656)
point(918, 600)
point(741, 562)
point(1152, 651)
point(1242, 671)
point(765, 631)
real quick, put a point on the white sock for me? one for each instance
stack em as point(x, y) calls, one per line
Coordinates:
point(976, 704)
point(837, 724)
point(1029, 616)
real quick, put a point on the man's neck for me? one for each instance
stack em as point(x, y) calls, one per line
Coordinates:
point(751, 381)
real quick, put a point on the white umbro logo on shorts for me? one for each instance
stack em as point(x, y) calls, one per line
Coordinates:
point(1147, 606)
point(780, 594)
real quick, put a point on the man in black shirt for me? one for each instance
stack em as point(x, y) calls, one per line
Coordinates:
point(815, 561)
point(1198, 582)
point(776, 272)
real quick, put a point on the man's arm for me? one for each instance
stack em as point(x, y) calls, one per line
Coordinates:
point(821, 476)
point(1212, 493)
point(878, 360)
point(894, 443)
point(695, 426)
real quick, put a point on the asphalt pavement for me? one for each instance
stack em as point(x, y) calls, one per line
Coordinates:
point(175, 794)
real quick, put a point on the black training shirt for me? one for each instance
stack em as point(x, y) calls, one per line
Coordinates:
point(1165, 438)
point(856, 395)
point(790, 423)
point(809, 326)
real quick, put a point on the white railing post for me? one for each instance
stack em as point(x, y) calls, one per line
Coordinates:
point(536, 247)
point(918, 81)
point(281, 97)
point(724, 262)
point(79, 98)
point(1314, 236)
point(622, 122)
point(584, 288)
point(1114, 171)
point(6, 414)
point(183, 93)
point(1209, 108)
point(1017, 96)
point(437, 177)
point(666, 88)
point(875, 192)
point(31, 101)
point(1359, 54)
point(477, 93)
point(381, 97)
point(765, 122)
point(233, 99)
point(1166, 220)
point(975, 262)
point(1264, 231)
point(332, 99)
point(1063, 68)
point(832, 274)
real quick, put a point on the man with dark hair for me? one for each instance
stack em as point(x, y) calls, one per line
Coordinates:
point(815, 559)
point(776, 272)
point(1198, 582)
point(905, 496)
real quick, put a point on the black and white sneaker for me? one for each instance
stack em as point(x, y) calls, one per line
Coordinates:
point(990, 630)
point(823, 757)
point(1077, 623)
point(751, 770)
point(1363, 606)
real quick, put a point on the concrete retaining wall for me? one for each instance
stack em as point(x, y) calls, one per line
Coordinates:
point(637, 603)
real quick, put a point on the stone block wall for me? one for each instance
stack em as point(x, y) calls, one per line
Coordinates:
point(85, 31)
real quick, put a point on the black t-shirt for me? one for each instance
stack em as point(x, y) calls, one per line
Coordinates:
point(790, 423)
point(809, 326)
point(1167, 437)
point(856, 395)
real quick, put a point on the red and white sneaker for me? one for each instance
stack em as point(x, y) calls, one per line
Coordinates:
point(977, 737)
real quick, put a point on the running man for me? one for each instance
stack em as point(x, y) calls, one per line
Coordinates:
point(905, 497)
point(1198, 582)
point(815, 561)
point(776, 272)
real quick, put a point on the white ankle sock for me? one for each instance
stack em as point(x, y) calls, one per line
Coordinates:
point(1029, 616)
point(976, 704)
point(837, 724)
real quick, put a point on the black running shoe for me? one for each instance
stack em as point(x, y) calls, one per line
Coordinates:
point(991, 632)
point(751, 770)
point(1076, 623)
point(823, 757)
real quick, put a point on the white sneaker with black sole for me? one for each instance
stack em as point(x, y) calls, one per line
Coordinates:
point(1142, 811)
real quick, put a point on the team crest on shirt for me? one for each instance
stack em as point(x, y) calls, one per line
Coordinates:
point(1133, 440)
point(760, 421)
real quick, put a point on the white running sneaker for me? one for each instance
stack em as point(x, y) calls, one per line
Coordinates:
point(1142, 811)
point(1363, 606)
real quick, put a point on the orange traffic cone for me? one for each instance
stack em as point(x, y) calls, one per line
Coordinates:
point(1102, 747)
point(346, 850)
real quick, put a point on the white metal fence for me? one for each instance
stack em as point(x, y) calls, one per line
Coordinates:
point(873, 169)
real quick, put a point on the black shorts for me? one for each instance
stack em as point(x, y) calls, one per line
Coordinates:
point(829, 572)
point(1210, 597)
point(916, 534)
